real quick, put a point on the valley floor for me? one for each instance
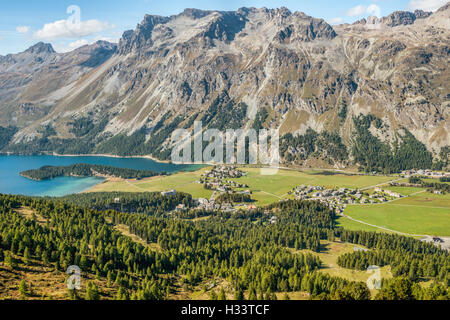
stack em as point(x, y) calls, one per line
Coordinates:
point(418, 213)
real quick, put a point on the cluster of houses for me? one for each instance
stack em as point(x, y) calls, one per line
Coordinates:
point(425, 173)
point(211, 204)
point(388, 192)
point(215, 179)
point(169, 193)
point(337, 199)
point(223, 172)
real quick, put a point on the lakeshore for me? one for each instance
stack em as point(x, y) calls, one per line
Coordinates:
point(11, 182)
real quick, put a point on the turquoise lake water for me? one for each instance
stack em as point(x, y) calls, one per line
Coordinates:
point(12, 183)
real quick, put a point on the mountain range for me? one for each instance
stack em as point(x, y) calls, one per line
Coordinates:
point(254, 67)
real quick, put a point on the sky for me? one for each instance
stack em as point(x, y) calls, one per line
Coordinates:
point(68, 24)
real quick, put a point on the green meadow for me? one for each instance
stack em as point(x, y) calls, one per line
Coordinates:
point(412, 219)
point(419, 212)
point(183, 182)
point(405, 191)
point(426, 199)
point(266, 189)
point(285, 180)
point(349, 224)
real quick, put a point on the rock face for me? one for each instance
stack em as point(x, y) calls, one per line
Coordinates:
point(420, 14)
point(400, 18)
point(33, 81)
point(169, 71)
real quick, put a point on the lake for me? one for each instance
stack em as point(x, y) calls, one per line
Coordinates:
point(12, 183)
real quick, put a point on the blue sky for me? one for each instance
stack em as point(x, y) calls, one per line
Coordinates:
point(25, 22)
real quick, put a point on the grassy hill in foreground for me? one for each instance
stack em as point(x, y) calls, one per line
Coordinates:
point(242, 255)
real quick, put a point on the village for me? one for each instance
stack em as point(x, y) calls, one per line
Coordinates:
point(425, 173)
point(215, 179)
point(338, 199)
point(218, 180)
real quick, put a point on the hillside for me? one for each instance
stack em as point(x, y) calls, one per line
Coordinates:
point(261, 68)
point(126, 256)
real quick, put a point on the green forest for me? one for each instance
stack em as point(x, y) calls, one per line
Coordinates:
point(324, 145)
point(374, 155)
point(256, 257)
point(149, 203)
point(233, 198)
point(368, 151)
point(6, 133)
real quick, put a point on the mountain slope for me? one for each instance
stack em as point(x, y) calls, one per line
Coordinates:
point(299, 71)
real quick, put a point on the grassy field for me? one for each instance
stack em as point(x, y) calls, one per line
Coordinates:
point(266, 189)
point(283, 182)
point(426, 199)
point(329, 255)
point(420, 212)
point(183, 182)
point(430, 219)
point(349, 224)
point(405, 191)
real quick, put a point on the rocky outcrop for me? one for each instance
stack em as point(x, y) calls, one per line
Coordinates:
point(403, 18)
point(420, 14)
point(142, 36)
point(41, 48)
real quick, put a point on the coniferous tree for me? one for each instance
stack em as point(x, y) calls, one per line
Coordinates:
point(92, 291)
point(222, 295)
point(23, 289)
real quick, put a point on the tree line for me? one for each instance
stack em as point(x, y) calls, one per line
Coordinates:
point(372, 154)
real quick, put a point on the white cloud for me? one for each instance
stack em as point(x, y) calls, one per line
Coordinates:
point(108, 39)
point(426, 5)
point(361, 10)
point(69, 29)
point(78, 43)
point(23, 29)
point(356, 11)
point(67, 47)
point(374, 10)
point(337, 20)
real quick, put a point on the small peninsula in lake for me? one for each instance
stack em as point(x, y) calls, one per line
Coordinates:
point(87, 170)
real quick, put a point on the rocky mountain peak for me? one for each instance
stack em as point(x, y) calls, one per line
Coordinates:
point(207, 27)
point(41, 47)
point(444, 7)
point(283, 12)
point(97, 53)
point(420, 14)
point(399, 18)
point(195, 13)
point(395, 19)
point(132, 40)
point(264, 60)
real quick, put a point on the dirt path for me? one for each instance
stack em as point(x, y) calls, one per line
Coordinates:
point(273, 195)
point(133, 185)
point(383, 228)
